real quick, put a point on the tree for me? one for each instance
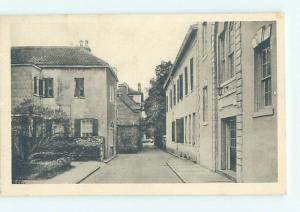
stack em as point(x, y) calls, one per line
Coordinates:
point(155, 104)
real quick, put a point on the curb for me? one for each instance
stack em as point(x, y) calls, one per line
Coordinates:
point(109, 159)
point(88, 175)
point(176, 172)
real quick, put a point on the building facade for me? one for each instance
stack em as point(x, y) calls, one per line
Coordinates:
point(70, 79)
point(235, 126)
point(129, 107)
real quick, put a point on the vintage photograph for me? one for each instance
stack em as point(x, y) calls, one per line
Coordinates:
point(144, 99)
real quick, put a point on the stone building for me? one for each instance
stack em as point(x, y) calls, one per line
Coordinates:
point(71, 79)
point(234, 101)
point(129, 107)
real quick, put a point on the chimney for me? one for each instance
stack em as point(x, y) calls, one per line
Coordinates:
point(86, 45)
point(139, 87)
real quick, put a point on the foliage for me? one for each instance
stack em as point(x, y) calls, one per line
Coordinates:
point(155, 106)
point(26, 119)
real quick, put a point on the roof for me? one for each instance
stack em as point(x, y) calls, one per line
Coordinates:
point(55, 56)
point(184, 46)
point(129, 102)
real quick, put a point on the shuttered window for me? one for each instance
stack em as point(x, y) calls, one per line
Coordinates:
point(86, 127)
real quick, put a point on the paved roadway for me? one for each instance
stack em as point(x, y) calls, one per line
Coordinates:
point(148, 166)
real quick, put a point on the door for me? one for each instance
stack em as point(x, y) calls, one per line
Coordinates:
point(232, 145)
point(228, 144)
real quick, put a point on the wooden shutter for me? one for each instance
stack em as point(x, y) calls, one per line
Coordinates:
point(95, 127)
point(40, 87)
point(46, 87)
point(77, 127)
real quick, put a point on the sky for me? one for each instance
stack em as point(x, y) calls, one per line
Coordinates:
point(134, 44)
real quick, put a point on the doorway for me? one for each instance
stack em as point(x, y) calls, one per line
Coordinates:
point(228, 144)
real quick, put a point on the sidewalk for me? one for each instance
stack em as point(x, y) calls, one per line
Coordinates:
point(189, 172)
point(78, 173)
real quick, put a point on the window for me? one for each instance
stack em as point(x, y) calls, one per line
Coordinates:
point(180, 130)
point(221, 57)
point(86, 127)
point(48, 88)
point(192, 73)
point(167, 104)
point(190, 129)
point(205, 104)
point(231, 51)
point(194, 129)
point(186, 80)
point(171, 98)
point(263, 75)
point(178, 90)
point(79, 87)
point(35, 85)
point(204, 39)
point(226, 44)
point(173, 131)
point(181, 86)
point(185, 130)
point(174, 94)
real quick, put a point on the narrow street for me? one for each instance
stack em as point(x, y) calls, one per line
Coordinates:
point(148, 166)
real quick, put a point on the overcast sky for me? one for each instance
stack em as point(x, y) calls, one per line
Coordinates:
point(134, 44)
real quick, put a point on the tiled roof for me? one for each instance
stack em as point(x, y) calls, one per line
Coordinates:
point(55, 56)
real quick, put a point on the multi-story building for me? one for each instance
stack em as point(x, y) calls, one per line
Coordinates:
point(71, 79)
point(234, 101)
point(130, 108)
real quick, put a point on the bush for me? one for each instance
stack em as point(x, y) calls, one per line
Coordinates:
point(80, 149)
point(47, 168)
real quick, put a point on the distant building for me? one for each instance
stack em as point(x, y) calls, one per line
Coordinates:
point(71, 79)
point(130, 107)
point(221, 99)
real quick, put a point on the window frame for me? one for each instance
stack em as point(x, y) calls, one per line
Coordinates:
point(263, 76)
point(79, 87)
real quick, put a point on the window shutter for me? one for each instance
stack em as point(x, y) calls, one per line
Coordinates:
point(95, 127)
point(77, 127)
point(40, 87)
point(76, 94)
point(46, 87)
